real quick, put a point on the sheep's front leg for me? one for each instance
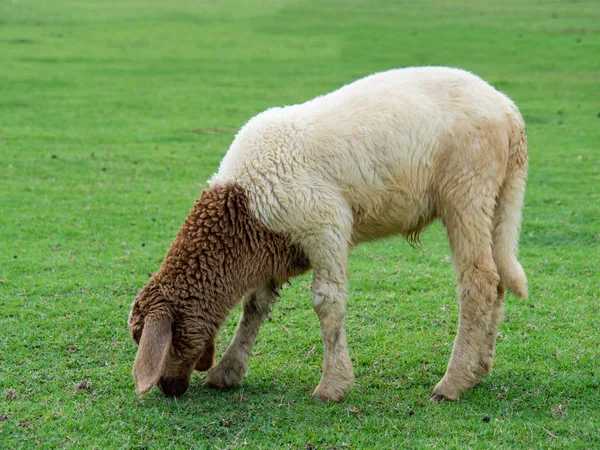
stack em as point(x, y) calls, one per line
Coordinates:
point(329, 259)
point(323, 228)
point(329, 300)
point(233, 366)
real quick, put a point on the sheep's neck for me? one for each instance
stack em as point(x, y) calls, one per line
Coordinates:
point(222, 251)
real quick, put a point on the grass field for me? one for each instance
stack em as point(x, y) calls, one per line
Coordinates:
point(104, 113)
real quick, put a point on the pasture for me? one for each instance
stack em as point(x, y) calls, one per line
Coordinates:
point(114, 113)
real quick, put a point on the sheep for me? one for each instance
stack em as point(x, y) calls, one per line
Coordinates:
point(302, 184)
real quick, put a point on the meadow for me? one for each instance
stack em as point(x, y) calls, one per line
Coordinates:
point(114, 113)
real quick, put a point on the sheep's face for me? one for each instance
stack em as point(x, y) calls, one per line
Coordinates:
point(169, 348)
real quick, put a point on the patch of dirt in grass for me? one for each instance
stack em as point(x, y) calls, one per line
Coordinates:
point(215, 130)
point(84, 385)
point(558, 410)
point(25, 424)
point(21, 41)
point(10, 394)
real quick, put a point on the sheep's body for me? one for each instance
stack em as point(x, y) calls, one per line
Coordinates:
point(371, 148)
point(387, 155)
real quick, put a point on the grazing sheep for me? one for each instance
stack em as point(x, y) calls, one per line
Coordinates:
point(302, 184)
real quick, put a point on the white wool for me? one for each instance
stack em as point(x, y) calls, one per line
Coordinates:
point(367, 146)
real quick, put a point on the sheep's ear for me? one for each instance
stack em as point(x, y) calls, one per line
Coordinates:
point(206, 360)
point(152, 353)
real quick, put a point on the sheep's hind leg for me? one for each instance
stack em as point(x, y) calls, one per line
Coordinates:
point(234, 364)
point(489, 345)
point(481, 305)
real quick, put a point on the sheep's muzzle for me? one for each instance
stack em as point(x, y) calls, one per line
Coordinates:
point(173, 387)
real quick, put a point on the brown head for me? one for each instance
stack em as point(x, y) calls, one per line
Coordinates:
point(220, 252)
point(171, 343)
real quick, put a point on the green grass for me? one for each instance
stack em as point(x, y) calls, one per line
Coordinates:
point(99, 165)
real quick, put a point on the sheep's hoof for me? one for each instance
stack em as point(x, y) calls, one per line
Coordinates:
point(437, 398)
point(444, 391)
point(224, 377)
point(328, 395)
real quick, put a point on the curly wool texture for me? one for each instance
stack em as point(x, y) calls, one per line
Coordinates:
point(222, 250)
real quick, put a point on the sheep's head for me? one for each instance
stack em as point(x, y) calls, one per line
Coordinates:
point(171, 344)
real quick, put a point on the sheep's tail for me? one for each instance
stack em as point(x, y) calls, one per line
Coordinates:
point(507, 216)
